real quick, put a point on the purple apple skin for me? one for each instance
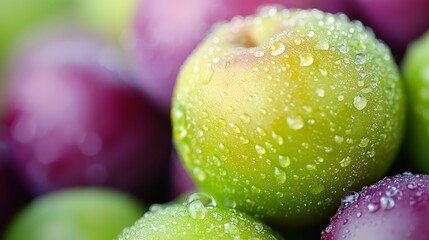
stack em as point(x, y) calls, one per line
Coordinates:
point(166, 32)
point(181, 182)
point(74, 118)
point(396, 22)
point(395, 208)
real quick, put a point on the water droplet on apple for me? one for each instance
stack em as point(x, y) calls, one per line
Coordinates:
point(345, 162)
point(387, 203)
point(338, 139)
point(277, 48)
point(295, 122)
point(208, 76)
point(349, 198)
point(359, 102)
point(360, 58)
point(259, 54)
point(343, 47)
point(364, 142)
point(284, 161)
point(306, 59)
point(245, 118)
point(280, 175)
point(260, 150)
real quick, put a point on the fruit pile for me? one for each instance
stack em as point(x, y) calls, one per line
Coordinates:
point(202, 119)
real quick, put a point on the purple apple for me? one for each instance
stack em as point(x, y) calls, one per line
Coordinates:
point(397, 22)
point(74, 118)
point(395, 208)
point(167, 31)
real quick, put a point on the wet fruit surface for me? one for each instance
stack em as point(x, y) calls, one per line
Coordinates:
point(395, 208)
point(197, 218)
point(281, 113)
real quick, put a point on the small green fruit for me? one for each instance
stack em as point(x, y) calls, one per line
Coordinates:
point(197, 218)
point(81, 213)
point(280, 114)
point(416, 73)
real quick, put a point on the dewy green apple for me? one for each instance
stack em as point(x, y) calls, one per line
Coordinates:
point(281, 113)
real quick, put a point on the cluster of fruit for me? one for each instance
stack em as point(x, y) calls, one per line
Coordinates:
point(279, 116)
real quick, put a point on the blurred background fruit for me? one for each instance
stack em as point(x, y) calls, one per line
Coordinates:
point(74, 117)
point(397, 22)
point(78, 213)
point(416, 77)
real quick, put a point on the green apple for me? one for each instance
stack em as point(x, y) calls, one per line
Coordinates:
point(416, 74)
point(281, 113)
point(111, 19)
point(80, 213)
point(197, 218)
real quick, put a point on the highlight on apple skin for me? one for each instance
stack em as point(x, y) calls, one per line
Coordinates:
point(281, 113)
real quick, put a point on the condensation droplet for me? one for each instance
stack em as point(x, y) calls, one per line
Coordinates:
point(208, 76)
point(387, 203)
point(306, 59)
point(260, 150)
point(349, 198)
point(197, 204)
point(359, 102)
point(284, 161)
point(232, 230)
point(364, 142)
point(277, 48)
point(280, 175)
point(344, 48)
point(360, 58)
point(199, 174)
point(320, 92)
point(259, 54)
point(245, 118)
point(295, 122)
point(206, 199)
point(373, 208)
point(338, 139)
point(345, 162)
point(412, 186)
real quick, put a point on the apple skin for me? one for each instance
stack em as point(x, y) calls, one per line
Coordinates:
point(76, 213)
point(395, 208)
point(197, 218)
point(397, 22)
point(416, 78)
point(281, 120)
point(165, 36)
point(74, 117)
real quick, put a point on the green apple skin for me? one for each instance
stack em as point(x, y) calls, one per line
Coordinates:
point(416, 74)
point(282, 113)
point(78, 213)
point(197, 218)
